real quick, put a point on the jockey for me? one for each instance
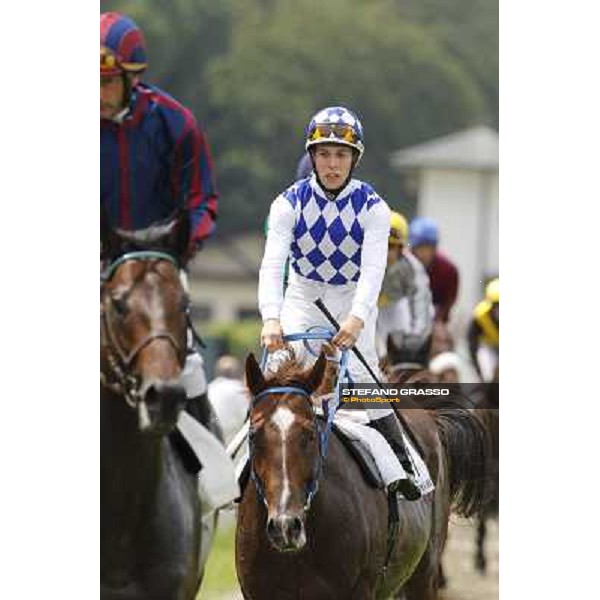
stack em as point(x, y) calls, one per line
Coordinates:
point(154, 158)
point(443, 274)
point(484, 333)
point(334, 229)
point(405, 308)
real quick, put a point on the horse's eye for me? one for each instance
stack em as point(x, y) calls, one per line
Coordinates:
point(120, 305)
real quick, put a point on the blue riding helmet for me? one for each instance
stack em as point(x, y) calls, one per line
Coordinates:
point(423, 230)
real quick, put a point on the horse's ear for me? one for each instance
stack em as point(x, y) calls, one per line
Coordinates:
point(317, 372)
point(391, 347)
point(109, 240)
point(255, 380)
point(179, 237)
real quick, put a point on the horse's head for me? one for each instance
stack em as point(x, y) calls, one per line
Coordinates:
point(285, 448)
point(144, 321)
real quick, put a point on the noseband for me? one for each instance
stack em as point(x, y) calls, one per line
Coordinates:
point(120, 361)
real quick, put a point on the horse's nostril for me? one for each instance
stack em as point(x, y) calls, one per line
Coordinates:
point(271, 528)
point(295, 526)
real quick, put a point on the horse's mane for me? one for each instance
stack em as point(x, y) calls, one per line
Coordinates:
point(150, 238)
point(288, 371)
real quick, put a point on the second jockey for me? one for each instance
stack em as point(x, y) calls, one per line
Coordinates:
point(154, 159)
point(443, 274)
point(483, 334)
point(334, 229)
point(405, 308)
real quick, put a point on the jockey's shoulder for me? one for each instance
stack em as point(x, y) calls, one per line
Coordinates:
point(444, 262)
point(175, 114)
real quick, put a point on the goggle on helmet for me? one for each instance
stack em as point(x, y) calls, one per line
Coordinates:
point(336, 125)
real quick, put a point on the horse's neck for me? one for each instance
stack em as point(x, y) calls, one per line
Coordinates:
point(131, 468)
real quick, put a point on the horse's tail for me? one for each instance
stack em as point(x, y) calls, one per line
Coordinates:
point(466, 444)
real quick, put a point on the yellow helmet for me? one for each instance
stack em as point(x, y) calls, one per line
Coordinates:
point(398, 229)
point(492, 291)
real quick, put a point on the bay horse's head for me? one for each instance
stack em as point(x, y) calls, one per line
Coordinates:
point(284, 447)
point(143, 311)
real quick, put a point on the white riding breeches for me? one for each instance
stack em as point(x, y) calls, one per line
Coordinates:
point(299, 313)
point(193, 377)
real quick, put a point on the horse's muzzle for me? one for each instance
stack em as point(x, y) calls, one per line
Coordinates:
point(160, 405)
point(286, 533)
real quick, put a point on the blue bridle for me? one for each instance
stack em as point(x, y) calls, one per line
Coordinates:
point(329, 410)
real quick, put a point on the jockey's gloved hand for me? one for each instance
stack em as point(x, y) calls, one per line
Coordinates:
point(271, 336)
point(349, 331)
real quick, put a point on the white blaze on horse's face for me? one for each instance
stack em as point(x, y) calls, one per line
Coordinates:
point(283, 418)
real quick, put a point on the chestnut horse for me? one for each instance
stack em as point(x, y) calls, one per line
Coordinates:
point(294, 542)
point(149, 504)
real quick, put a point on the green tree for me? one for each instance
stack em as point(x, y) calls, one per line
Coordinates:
point(290, 59)
point(254, 71)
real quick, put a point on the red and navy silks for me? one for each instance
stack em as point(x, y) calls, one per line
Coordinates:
point(443, 277)
point(155, 161)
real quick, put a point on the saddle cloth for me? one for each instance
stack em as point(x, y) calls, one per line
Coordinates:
point(381, 466)
point(217, 483)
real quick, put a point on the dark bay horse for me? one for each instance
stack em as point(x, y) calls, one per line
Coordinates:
point(293, 543)
point(150, 509)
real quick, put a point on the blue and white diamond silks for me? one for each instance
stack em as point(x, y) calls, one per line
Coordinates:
point(328, 235)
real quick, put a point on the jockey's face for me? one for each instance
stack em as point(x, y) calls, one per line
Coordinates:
point(112, 96)
point(424, 253)
point(333, 163)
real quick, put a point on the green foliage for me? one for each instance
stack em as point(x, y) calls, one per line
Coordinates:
point(254, 71)
point(242, 337)
point(220, 578)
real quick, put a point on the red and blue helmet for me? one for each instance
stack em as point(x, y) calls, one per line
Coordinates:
point(336, 125)
point(122, 45)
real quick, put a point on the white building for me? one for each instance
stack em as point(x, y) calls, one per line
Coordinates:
point(457, 183)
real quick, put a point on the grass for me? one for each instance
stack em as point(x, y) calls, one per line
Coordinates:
point(219, 575)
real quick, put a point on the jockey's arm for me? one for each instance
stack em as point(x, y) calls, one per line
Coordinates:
point(450, 295)
point(473, 334)
point(194, 185)
point(282, 218)
point(372, 271)
point(420, 301)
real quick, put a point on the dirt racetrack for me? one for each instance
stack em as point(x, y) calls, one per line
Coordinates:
point(464, 582)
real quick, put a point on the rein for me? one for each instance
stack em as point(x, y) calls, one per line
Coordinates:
point(120, 361)
point(329, 409)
